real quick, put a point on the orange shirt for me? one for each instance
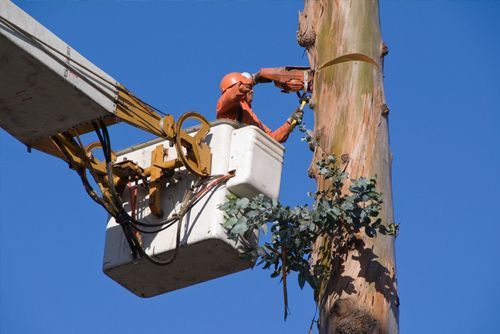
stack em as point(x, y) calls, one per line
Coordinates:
point(231, 104)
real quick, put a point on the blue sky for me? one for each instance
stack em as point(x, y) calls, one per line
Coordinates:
point(441, 82)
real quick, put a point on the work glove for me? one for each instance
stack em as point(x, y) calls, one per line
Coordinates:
point(296, 116)
point(244, 87)
point(239, 90)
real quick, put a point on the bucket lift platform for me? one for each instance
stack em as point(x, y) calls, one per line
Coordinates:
point(205, 251)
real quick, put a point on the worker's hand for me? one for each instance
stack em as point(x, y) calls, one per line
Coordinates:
point(244, 88)
point(239, 90)
point(296, 116)
point(246, 84)
point(245, 92)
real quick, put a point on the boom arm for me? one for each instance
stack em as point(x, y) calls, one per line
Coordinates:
point(52, 95)
point(192, 152)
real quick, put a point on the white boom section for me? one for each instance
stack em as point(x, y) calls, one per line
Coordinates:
point(45, 85)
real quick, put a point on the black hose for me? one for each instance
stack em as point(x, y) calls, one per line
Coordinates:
point(123, 218)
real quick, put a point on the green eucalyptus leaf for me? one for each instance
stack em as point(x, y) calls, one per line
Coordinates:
point(241, 227)
point(230, 222)
point(252, 214)
point(242, 203)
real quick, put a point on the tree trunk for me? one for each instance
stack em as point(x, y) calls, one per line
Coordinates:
point(351, 122)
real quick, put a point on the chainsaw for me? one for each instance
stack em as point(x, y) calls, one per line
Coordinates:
point(288, 79)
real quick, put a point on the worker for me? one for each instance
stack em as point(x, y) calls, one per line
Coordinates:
point(235, 103)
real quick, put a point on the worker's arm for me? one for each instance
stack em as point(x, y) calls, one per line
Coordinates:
point(281, 133)
point(250, 118)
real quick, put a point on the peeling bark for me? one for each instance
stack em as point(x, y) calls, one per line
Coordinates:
point(351, 121)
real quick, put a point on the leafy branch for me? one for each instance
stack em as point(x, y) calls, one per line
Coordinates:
point(335, 217)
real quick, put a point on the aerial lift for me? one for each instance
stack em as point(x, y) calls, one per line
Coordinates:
point(52, 96)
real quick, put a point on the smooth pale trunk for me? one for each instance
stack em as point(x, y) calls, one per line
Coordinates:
point(351, 121)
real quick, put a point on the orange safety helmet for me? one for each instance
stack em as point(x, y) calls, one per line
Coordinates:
point(233, 78)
